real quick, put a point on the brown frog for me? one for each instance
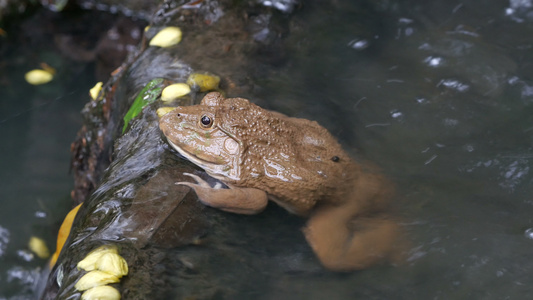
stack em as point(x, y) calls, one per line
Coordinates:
point(298, 164)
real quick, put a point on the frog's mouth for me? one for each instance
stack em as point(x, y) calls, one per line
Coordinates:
point(193, 158)
point(213, 169)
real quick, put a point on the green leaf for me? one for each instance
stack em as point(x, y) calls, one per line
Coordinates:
point(148, 94)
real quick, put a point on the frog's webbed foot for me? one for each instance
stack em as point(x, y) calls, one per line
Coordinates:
point(234, 199)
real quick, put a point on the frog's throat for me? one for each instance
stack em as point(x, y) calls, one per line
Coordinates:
point(214, 170)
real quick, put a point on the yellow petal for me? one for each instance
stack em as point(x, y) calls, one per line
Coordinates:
point(164, 110)
point(204, 82)
point(95, 91)
point(95, 278)
point(38, 246)
point(112, 263)
point(175, 91)
point(63, 233)
point(167, 37)
point(38, 76)
point(90, 261)
point(103, 292)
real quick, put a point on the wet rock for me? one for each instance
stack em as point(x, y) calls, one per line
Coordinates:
point(173, 244)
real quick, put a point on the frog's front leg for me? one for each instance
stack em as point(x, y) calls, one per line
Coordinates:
point(238, 200)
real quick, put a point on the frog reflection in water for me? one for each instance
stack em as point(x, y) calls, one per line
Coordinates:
point(261, 155)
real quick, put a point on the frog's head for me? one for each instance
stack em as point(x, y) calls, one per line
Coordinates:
point(199, 133)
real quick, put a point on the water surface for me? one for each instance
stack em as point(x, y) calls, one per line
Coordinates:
point(439, 94)
point(37, 125)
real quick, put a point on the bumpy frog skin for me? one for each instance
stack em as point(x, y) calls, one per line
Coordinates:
point(261, 155)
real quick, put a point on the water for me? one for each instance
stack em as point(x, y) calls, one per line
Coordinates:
point(439, 94)
point(37, 125)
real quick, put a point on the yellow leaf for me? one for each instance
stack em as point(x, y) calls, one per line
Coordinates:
point(95, 91)
point(103, 292)
point(63, 233)
point(167, 37)
point(175, 91)
point(90, 261)
point(38, 76)
point(204, 82)
point(112, 263)
point(164, 110)
point(38, 246)
point(95, 278)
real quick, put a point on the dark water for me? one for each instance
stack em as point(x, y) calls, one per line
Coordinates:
point(37, 125)
point(439, 94)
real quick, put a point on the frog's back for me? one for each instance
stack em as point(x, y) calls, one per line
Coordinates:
point(296, 161)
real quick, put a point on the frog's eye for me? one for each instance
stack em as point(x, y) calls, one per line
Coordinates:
point(206, 121)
